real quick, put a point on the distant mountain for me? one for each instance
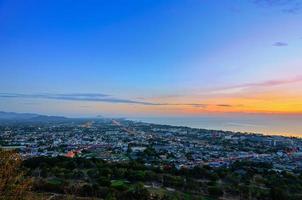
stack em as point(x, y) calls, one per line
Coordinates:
point(48, 118)
point(11, 116)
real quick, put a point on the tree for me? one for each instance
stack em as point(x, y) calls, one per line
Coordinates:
point(215, 191)
point(110, 196)
point(136, 192)
point(104, 181)
point(278, 194)
point(13, 184)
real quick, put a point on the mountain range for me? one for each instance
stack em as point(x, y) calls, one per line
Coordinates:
point(32, 117)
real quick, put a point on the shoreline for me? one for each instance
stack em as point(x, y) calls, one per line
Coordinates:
point(287, 135)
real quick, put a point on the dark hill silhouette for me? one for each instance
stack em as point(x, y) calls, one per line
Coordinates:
point(32, 117)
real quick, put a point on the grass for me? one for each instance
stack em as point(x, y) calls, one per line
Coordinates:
point(55, 181)
point(119, 184)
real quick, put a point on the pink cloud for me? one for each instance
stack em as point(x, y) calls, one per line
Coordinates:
point(269, 83)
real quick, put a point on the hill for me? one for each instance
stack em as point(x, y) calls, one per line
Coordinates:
point(28, 117)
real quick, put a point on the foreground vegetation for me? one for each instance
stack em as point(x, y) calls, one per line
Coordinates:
point(13, 182)
point(94, 178)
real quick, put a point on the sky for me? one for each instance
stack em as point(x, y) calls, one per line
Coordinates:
point(143, 58)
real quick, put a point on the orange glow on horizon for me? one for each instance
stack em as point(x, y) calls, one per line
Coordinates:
point(279, 101)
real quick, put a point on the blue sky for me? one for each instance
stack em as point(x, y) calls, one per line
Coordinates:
point(149, 57)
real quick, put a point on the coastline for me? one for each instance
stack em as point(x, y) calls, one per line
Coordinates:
point(225, 124)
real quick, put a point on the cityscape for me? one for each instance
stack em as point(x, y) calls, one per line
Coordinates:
point(118, 140)
point(151, 100)
point(96, 158)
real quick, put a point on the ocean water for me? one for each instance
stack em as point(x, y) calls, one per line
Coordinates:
point(287, 125)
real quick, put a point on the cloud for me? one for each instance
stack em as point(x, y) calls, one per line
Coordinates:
point(280, 44)
point(85, 95)
point(269, 83)
point(224, 105)
point(197, 105)
point(286, 6)
point(93, 97)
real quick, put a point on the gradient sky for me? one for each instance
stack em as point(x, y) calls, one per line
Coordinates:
point(151, 58)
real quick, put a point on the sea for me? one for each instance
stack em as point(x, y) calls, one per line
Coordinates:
point(286, 125)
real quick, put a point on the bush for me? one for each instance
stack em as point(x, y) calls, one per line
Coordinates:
point(104, 181)
point(119, 185)
point(13, 184)
point(215, 191)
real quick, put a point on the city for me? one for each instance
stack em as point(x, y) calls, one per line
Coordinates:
point(107, 158)
point(118, 140)
point(151, 100)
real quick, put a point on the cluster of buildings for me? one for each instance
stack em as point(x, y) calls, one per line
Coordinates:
point(120, 140)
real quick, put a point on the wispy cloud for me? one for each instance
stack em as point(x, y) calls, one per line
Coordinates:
point(224, 105)
point(269, 83)
point(286, 6)
point(197, 105)
point(273, 82)
point(280, 44)
point(94, 97)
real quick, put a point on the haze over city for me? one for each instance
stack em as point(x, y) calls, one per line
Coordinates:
point(231, 65)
